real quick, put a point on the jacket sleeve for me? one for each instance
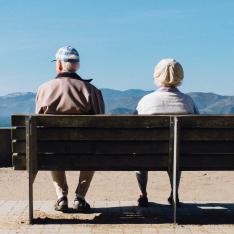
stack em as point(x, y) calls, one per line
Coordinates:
point(39, 109)
point(97, 102)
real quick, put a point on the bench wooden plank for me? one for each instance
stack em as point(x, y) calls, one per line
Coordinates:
point(97, 147)
point(207, 147)
point(19, 161)
point(207, 143)
point(103, 162)
point(89, 162)
point(18, 120)
point(96, 121)
point(221, 162)
point(207, 134)
point(81, 134)
point(207, 121)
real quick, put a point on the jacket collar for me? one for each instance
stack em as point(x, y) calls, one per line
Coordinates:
point(72, 75)
point(168, 89)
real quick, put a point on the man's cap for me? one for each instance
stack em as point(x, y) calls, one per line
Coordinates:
point(67, 54)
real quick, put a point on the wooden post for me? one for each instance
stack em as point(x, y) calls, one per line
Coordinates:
point(31, 160)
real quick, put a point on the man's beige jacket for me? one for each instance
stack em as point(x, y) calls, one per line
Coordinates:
point(69, 94)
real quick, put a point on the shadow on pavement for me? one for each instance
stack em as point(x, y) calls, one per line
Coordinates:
point(188, 213)
point(206, 213)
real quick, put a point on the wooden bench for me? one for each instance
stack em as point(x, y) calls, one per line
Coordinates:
point(108, 143)
point(121, 143)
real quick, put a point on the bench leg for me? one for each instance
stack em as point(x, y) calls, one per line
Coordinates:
point(31, 178)
point(174, 196)
point(31, 160)
point(175, 169)
point(30, 197)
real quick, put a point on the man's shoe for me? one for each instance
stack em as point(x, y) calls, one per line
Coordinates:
point(170, 200)
point(61, 204)
point(143, 201)
point(80, 205)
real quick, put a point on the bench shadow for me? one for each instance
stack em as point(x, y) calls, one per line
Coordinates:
point(188, 213)
point(206, 213)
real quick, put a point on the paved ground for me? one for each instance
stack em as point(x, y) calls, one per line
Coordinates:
point(118, 217)
point(207, 196)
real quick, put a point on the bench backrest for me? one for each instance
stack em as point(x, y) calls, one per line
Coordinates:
point(105, 142)
point(101, 142)
point(206, 142)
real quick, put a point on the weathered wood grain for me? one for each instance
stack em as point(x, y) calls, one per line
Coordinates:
point(19, 161)
point(96, 147)
point(96, 121)
point(90, 134)
point(207, 121)
point(103, 162)
point(207, 134)
point(220, 162)
point(207, 147)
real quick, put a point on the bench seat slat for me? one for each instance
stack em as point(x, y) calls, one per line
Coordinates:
point(96, 121)
point(103, 162)
point(19, 161)
point(207, 121)
point(206, 147)
point(100, 162)
point(206, 162)
point(76, 134)
point(204, 155)
point(98, 147)
point(187, 162)
point(205, 134)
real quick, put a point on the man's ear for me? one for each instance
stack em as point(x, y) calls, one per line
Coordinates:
point(60, 67)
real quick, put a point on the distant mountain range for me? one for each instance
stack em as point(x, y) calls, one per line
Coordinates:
point(117, 102)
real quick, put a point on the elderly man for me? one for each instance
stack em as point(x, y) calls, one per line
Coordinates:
point(68, 93)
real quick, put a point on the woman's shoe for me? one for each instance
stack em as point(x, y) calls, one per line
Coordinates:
point(143, 201)
point(170, 200)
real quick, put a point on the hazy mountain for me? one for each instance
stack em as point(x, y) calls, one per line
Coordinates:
point(211, 103)
point(117, 102)
point(122, 102)
point(208, 103)
point(17, 103)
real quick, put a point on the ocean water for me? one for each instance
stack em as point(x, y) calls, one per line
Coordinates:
point(5, 121)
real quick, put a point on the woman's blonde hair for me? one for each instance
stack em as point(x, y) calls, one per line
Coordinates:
point(168, 73)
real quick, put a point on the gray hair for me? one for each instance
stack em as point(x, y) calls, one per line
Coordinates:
point(70, 67)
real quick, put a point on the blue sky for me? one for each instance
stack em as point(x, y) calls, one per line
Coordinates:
point(119, 41)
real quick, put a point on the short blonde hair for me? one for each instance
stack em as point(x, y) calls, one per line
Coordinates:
point(168, 73)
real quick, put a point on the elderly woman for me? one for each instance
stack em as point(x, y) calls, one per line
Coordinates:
point(167, 99)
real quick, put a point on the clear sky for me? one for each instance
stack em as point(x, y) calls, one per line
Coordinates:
point(119, 41)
